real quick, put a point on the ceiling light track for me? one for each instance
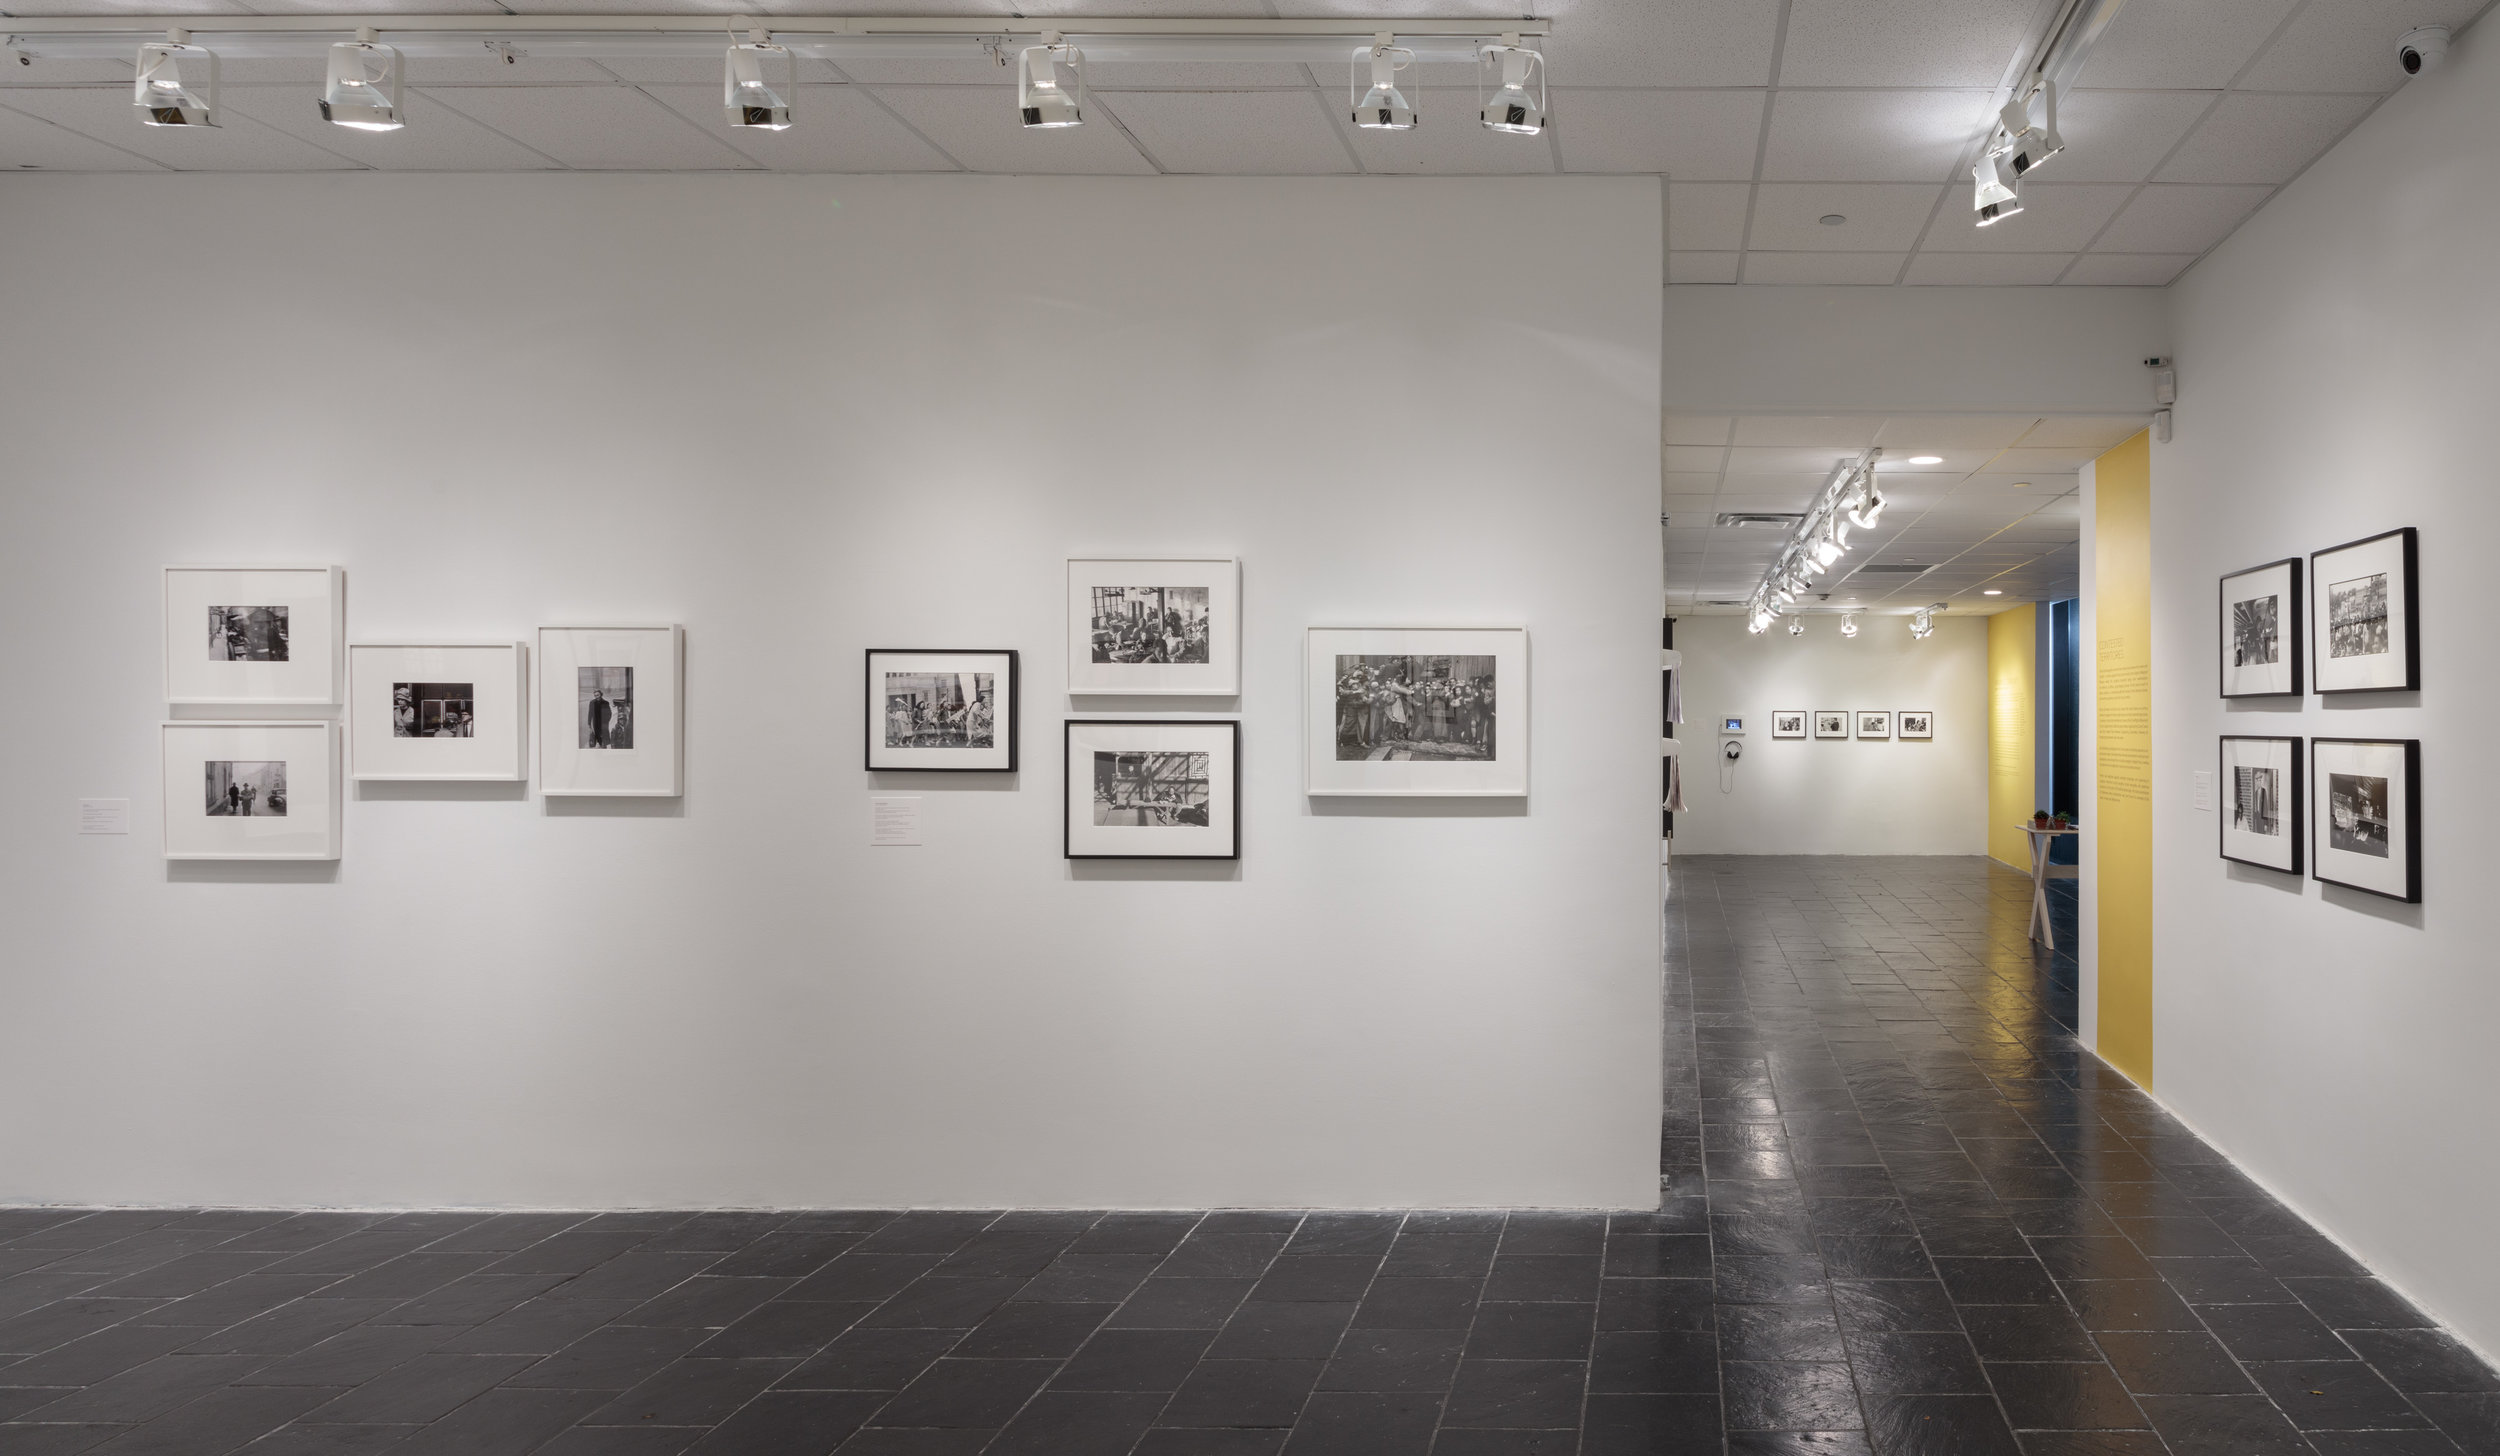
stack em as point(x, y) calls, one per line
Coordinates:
point(1850, 497)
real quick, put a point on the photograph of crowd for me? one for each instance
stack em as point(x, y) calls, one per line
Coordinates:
point(247, 634)
point(2357, 814)
point(1398, 708)
point(604, 707)
point(246, 789)
point(1150, 789)
point(2357, 617)
point(941, 710)
point(1133, 624)
point(433, 710)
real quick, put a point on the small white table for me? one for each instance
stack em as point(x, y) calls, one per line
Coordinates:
point(2041, 873)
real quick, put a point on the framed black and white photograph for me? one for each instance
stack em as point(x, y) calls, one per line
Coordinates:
point(1875, 724)
point(1158, 627)
point(251, 790)
point(1153, 789)
point(941, 711)
point(1914, 723)
point(1831, 723)
point(1415, 711)
point(1788, 723)
point(446, 712)
point(248, 636)
point(611, 712)
point(2366, 617)
point(2262, 802)
point(2366, 814)
point(2261, 631)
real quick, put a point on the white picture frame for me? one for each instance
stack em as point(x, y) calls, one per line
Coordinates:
point(254, 636)
point(438, 712)
point(643, 752)
point(1913, 723)
point(1126, 776)
point(1831, 722)
point(1874, 723)
point(1464, 696)
point(1788, 722)
point(1114, 643)
point(251, 791)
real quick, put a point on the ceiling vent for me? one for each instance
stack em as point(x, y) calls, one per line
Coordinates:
point(1892, 568)
point(1784, 520)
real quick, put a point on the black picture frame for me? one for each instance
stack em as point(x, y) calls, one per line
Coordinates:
point(2408, 833)
point(1010, 720)
point(2407, 609)
point(2295, 620)
point(1067, 827)
point(2296, 797)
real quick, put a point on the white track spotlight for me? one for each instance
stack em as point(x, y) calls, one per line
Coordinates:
point(1383, 107)
point(363, 87)
point(1922, 622)
point(758, 82)
point(1870, 506)
point(164, 94)
point(1796, 626)
point(1510, 88)
point(2027, 143)
point(1993, 195)
point(1848, 624)
point(1050, 83)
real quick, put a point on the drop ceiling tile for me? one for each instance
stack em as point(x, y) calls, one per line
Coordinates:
point(1809, 464)
point(2093, 432)
point(2121, 136)
point(1918, 434)
point(1756, 490)
point(1694, 484)
point(1966, 43)
point(2060, 458)
point(907, 71)
point(1694, 458)
point(1815, 432)
point(1882, 217)
point(2181, 45)
point(632, 7)
point(594, 127)
point(1822, 268)
point(832, 129)
point(639, 70)
point(1698, 506)
point(1237, 133)
point(303, 72)
point(31, 144)
point(978, 128)
point(1688, 135)
point(436, 138)
point(1448, 141)
point(241, 145)
point(2349, 45)
point(2255, 138)
point(2057, 217)
point(1706, 216)
point(1647, 42)
point(1703, 267)
point(42, 70)
point(2129, 270)
point(1204, 76)
point(1684, 429)
point(2173, 219)
point(1871, 136)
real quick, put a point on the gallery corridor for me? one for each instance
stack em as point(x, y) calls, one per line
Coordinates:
point(1903, 1215)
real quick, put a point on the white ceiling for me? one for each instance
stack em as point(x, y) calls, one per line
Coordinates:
point(2000, 512)
point(1763, 115)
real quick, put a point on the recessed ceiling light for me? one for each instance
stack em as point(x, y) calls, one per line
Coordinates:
point(1832, 219)
point(1926, 460)
point(1992, 592)
point(2022, 485)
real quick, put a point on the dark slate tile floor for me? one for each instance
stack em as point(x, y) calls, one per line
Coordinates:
point(1901, 1214)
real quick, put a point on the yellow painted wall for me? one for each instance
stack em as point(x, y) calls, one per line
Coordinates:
point(2013, 732)
point(2121, 825)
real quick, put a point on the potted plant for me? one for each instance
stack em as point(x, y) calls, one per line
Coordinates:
point(2040, 820)
point(2062, 821)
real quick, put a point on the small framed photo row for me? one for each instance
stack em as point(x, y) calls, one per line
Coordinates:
point(1788, 723)
point(1153, 789)
point(1914, 723)
point(1155, 627)
point(1875, 725)
point(453, 712)
point(2366, 618)
point(946, 712)
point(1415, 712)
point(2261, 631)
point(2366, 815)
point(611, 712)
point(254, 636)
point(252, 790)
point(1831, 723)
point(2262, 802)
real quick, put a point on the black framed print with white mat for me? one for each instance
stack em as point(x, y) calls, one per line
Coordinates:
point(2261, 631)
point(2365, 615)
point(2365, 817)
point(1153, 788)
point(2261, 809)
point(942, 712)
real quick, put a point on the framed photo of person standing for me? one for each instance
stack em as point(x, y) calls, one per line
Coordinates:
point(611, 712)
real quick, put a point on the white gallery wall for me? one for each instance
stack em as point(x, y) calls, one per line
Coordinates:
point(1809, 796)
point(805, 417)
point(2336, 370)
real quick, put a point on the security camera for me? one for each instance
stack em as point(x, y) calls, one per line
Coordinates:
point(2419, 50)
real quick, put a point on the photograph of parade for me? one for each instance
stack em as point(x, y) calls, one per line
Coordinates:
point(247, 634)
point(1401, 708)
point(246, 789)
point(1134, 624)
point(1150, 789)
point(941, 710)
point(2357, 617)
point(433, 710)
point(603, 714)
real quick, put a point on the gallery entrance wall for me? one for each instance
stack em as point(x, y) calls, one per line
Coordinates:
point(797, 420)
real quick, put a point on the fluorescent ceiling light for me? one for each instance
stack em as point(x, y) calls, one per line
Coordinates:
point(1926, 460)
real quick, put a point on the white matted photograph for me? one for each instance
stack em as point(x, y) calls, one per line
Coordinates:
point(2261, 802)
point(1914, 723)
point(1788, 723)
point(447, 712)
point(2261, 631)
point(1153, 789)
point(251, 790)
point(2365, 817)
point(1416, 711)
point(248, 636)
point(943, 712)
point(1831, 723)
point(611, 712)
point(2365, 615)
point(1155, 627)
point(1875, 725)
